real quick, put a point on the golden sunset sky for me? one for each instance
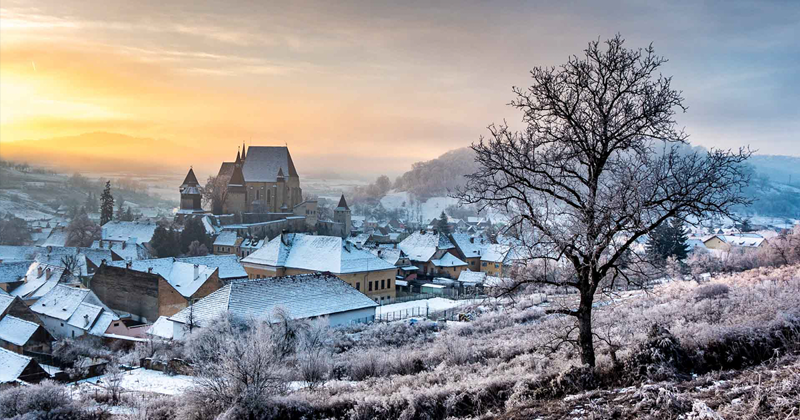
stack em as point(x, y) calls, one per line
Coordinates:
point(366, 87)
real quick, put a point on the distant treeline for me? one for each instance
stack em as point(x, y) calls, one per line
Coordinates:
point(439, 176)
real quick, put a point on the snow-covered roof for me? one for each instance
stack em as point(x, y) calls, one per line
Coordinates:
point(5, 302)
point(80, 308)
point(448, 260)
point(184, 277)
point(359, 239)
point(264, 162)
point(469, 245)
point(741, 240)
point(12, 365)
point(162, 328)
point(302, 296)
point(390, 255)
point(421, 245)
point(14, 271)
point(495, 253)
point(317, 253)
point(126, 250)
point(16, 331)
point(142, 232)
point(39, 282)
point(228, 265)
point(226, 238)
point(433, 286)
point(474, 277)
point(10, 253)
point(57, 237)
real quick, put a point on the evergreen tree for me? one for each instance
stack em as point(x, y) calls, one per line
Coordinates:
point(746, 226)
point(13, 231)
point(193, 230)
point(128, 215)
point(165, 242)
point(106, 205)
point(441, 224)
point(120, 210)
point(668, 240)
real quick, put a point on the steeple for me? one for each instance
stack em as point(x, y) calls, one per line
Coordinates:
point(280, 176)
point(342, 204)
point(190, 180)
point(243, 149)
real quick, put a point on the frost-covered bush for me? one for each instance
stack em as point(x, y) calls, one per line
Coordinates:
point(46, 400)
point(711, 291)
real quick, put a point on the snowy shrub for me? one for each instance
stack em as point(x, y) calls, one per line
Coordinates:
point(46, 400)
point(711, 291)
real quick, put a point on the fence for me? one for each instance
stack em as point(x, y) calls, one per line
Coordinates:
point(418, 311)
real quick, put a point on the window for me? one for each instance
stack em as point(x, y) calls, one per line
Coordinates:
point(383, 284)
point(484, 264)
point(258, 194)
point(116, 324)
point(454, 269)
point(389, 283)
point(358, 285)
point(370, 286)
point(497, 266)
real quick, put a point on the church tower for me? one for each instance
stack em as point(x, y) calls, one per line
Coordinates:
point(190, 194)
point(341, 214)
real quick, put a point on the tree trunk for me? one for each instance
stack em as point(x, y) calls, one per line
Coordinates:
point(585, 338)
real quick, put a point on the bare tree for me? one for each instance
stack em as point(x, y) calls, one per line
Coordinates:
point(599, 164)
point(215, 192)
point(82, 231)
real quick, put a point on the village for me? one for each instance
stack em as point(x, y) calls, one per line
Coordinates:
point(268, 244)
point(390, 210)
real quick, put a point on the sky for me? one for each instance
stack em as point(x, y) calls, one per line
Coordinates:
point(370, 87)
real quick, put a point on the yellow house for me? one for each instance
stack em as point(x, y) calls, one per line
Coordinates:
point(291, 254)
point(494, 259)
point(449, 266)
point(726, 242)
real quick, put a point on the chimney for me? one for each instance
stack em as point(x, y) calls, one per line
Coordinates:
point(39, 271)
point(123, 245)
point(128, 264)
point(149, 269)
point(47, 273)
point(196, 270)
point(472, 240)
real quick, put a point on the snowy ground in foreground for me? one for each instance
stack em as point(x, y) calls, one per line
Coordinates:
point(144, 380)
point(434, 304)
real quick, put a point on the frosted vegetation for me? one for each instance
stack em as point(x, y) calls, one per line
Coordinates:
point(661, 352)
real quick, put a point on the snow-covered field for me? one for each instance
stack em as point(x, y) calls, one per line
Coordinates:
point(144, 380)
point(434, 304)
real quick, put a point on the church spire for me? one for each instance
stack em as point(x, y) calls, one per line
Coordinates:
point(243, 149)
point(238, 157)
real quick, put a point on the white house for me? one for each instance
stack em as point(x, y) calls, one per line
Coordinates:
point(302, 296)
point(69, 312)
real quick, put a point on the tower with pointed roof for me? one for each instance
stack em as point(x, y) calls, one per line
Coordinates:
point(341, 215)
point(190, 194)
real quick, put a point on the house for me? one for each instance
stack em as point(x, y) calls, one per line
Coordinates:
point(249, 246)
point(496, 259)
point(21, 336)
point(16, 368)
point(20, 328)
point(12, 274)
point(304, 296)
point(448, 266)
point(472, 278)
point(424, 246)
point(297, 253)
point(230, 268)
point(70, 312)
point(147, 289)
point(127, 251)
point(399, 259)
point(727, 242)
point(470, 248)
point(136, 231)
point(57, 237)
point(39, 280)
point(227, 242)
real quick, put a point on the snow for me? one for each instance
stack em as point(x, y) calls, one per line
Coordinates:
point(144, 380)
point(11, 365)
point(317, 253)
point(16, 331)
point(185, 277)
point(162, 328)
point(434, 304)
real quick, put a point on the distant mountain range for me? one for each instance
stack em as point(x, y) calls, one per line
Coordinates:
point(97, 152)
point(775, 188)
